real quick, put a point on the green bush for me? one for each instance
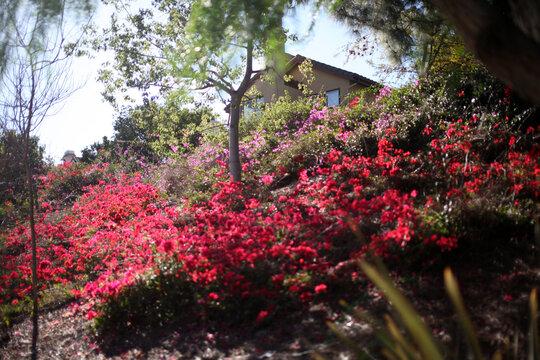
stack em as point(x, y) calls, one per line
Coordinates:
point(13, 184)
point(152, 302)
point(151, 132)
point(284, 114)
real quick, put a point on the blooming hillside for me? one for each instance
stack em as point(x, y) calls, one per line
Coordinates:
point(419, 189)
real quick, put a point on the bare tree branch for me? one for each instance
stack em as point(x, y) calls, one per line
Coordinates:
point(35, 81)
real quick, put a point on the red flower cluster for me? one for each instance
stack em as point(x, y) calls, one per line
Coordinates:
point(240, 247)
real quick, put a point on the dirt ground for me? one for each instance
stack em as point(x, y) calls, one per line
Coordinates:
point(497, 302)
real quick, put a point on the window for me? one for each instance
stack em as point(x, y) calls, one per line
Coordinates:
point(332, 97)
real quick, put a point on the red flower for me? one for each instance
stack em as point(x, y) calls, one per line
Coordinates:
point(262, 315)
point(167, 245)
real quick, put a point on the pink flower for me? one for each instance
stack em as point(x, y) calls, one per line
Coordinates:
point(267, 179)
point(320, 288)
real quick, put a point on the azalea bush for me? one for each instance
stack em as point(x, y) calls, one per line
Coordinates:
point(236, 249)
point(63, 184)
point(182, 240)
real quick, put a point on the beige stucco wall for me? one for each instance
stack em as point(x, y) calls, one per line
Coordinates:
point(323, 82)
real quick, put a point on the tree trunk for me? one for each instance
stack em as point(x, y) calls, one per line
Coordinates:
point(234, 151)
point(35, 314)
point(236, 101)
point(507, 52)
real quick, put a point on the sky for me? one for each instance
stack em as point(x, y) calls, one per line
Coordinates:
point(85, 118)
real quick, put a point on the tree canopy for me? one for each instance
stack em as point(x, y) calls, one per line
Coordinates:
point(413, 32)
point(152, 131)
point(222, 39)
point(45, 13)
point(140, 40)
point(504, 35)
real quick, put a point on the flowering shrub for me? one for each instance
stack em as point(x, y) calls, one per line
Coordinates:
point(254, 249)
point(63, 184)
point(191, 175)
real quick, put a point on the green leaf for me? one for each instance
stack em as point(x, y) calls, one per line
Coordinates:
point(360, 354)
point(452, 289)
point(535, 341)
point(416, 328)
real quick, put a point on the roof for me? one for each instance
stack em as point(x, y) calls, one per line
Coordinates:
point(352, 77)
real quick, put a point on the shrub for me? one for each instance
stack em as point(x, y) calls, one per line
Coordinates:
point(190, 176)
point(282, 115)
point(13, 184)
point(63, 184)
point(155, 299)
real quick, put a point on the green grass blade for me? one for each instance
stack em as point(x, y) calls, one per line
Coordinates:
point(379, 331)
point(417, 329)
point(535, 341)
point(403, 345)
point(388, 355)
point(360, 354)
point(452, 289)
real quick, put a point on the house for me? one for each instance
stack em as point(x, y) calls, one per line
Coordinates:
point(335, 83)
point(69, 156)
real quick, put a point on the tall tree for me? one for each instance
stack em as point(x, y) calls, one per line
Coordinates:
point(504, 35)
point(222, 39)
point(180, 47)
point(413, 31)
point(33, 83)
